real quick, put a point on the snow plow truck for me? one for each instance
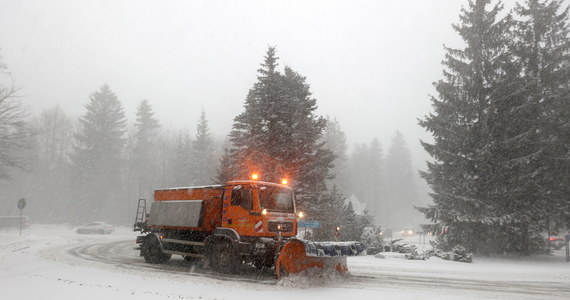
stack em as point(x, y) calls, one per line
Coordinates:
point(227, 225)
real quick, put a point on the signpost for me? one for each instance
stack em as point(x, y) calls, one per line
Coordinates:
point(21, 205)
point(309, 224)
point(567, 239)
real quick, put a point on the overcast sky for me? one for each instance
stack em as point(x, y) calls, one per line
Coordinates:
point(370, 64)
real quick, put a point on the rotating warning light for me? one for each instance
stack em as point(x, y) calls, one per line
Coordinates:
point(284, 181)
point(300, 214)
point(254, 176)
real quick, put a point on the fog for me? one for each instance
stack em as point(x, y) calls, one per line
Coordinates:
point(370, 64)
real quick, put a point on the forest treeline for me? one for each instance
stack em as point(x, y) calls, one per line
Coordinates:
point(96, 166)
point(500, 152)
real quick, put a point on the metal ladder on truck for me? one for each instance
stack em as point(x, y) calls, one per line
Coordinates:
point(140, 220)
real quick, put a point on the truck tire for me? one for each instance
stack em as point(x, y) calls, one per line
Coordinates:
point(152, 253)
point(263, 262)
point(224, 258)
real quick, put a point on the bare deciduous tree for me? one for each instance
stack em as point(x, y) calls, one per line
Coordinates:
point(13, 132)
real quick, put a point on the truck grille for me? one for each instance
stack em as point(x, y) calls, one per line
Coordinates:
point(280, 226)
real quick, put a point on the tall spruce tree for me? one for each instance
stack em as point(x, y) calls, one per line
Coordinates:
point(544, 51)
point(97, 160)
point(145, 162)
point(203, 163)
point(462, 173)
point(180, 168)
point(335, 141)
point(399, 192)
point(277, 134)
point(366, 178)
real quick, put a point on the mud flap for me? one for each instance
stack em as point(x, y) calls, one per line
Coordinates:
point(299, 255)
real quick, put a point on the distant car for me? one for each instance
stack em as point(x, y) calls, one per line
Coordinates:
point(386, 233)
point(408, 231)
point(96, 227)
point(556, 241)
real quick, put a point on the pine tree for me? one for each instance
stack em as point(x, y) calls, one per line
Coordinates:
point(277, 134)
point(250, 134)
point(544, 49)
point(203, 163)
point(180, 168)
point(330, 210)
point(223, 172)
point(145, 162)
point(366, 177)
point(97, 159)
point(399, 194)
point(526, 133)
point(335, 141)
point(462, 174)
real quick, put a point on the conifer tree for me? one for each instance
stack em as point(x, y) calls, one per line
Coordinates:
point(544, 51)
point(335, 141)
point(366, 177)
point(180, 170)
point(97, 159)
point(223, 172)
point(399, 193)
point(145, 161)
point(461, 174)
point(330, 210)
point(203, 163)
point(277, 134)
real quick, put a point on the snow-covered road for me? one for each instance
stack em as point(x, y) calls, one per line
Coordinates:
point(50, 262)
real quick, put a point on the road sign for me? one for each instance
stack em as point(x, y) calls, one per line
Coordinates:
point(309, 224)
point(567, 237)
point(21, 203)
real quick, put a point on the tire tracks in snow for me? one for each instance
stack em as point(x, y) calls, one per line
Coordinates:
point(119, 255)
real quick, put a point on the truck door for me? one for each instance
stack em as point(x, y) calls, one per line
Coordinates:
point(236, 211)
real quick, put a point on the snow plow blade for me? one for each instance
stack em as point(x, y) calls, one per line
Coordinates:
point(299, 255)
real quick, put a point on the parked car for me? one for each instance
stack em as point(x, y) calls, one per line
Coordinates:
point(408, 231)
point(556, 241)
point(96, 227)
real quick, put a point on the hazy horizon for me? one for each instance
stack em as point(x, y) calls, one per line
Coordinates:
point(370, 64)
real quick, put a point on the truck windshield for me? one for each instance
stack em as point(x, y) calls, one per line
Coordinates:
point(276, 199)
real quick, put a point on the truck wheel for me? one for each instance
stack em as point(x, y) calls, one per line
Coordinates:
point(224, 259)
point(191, 259)
point(263, 263)
point(153, 254)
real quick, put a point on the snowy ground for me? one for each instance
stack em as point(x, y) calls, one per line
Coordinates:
point(53, 262)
